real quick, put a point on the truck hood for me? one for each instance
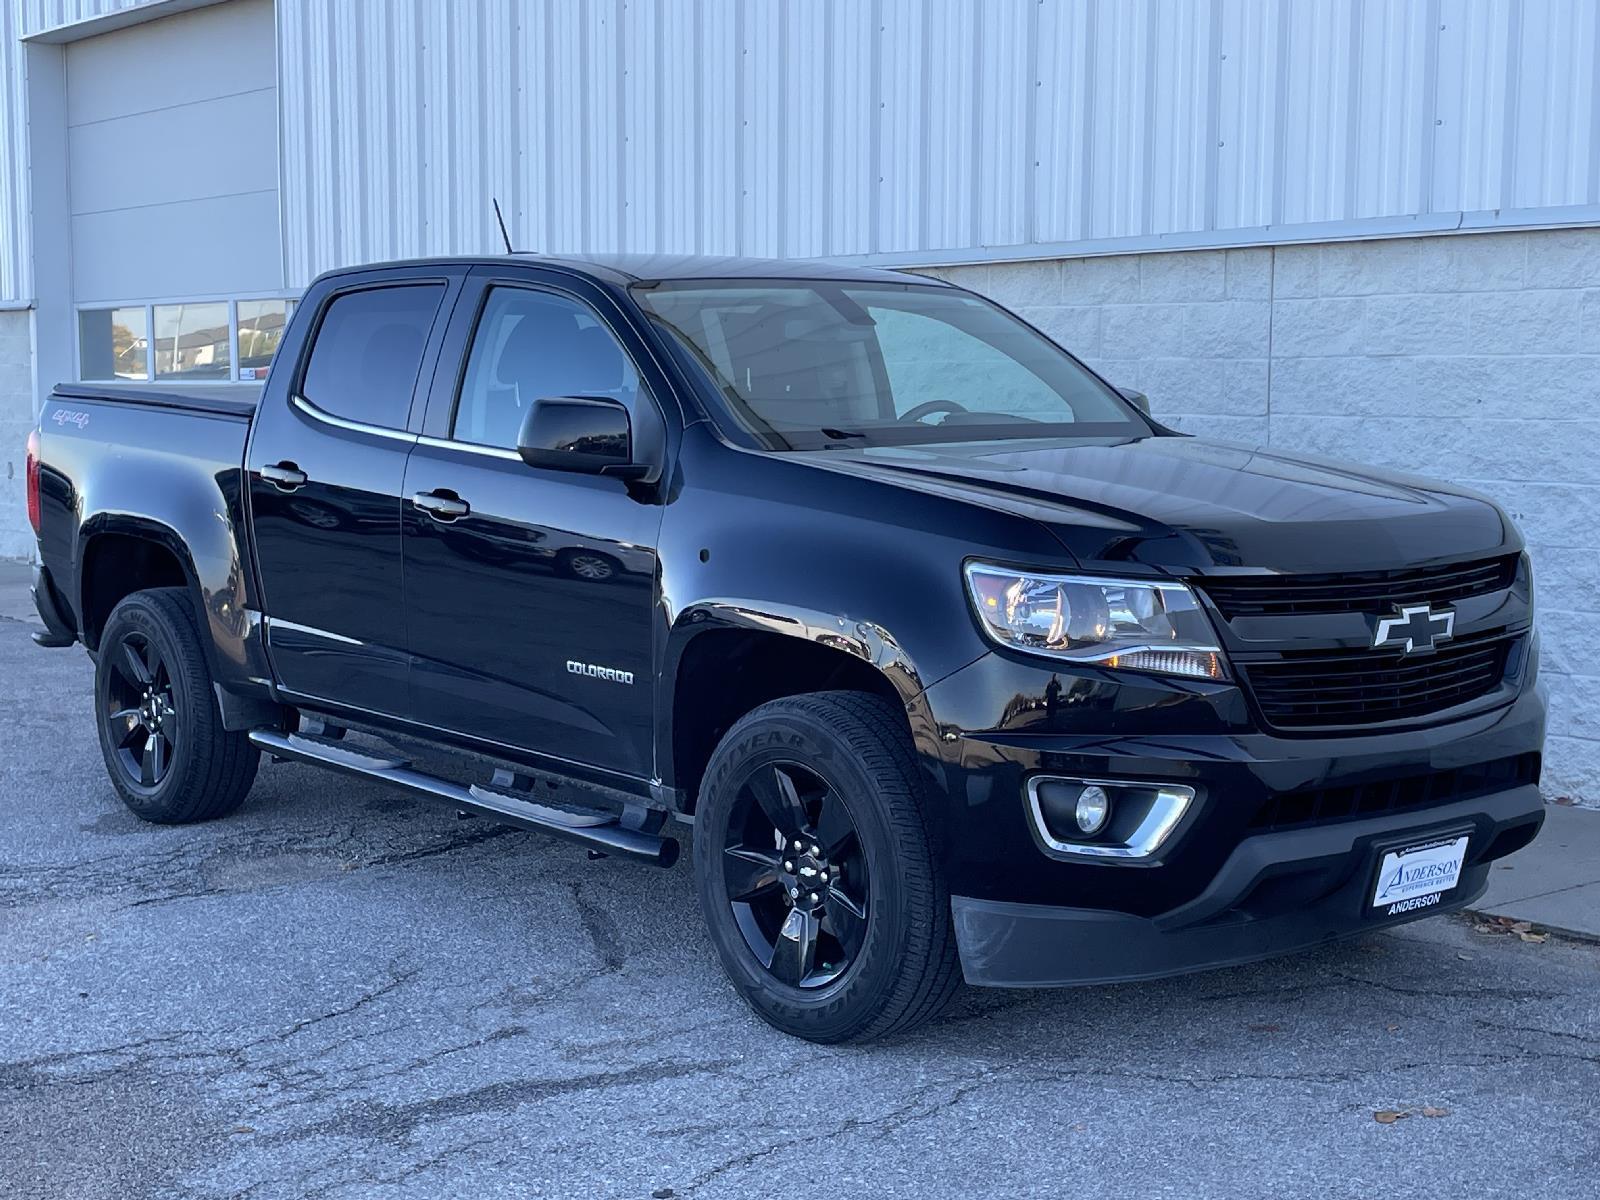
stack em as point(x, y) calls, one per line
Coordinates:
point(1192, 505)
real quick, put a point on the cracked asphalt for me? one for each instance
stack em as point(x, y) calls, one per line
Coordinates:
point(342, 993)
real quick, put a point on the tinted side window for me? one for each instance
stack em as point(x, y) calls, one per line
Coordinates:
point(529, 345)
point(369, 346)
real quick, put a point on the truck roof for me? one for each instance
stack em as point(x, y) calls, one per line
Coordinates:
point(651, 268)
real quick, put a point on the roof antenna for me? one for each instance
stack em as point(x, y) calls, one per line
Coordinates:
point(506, 236)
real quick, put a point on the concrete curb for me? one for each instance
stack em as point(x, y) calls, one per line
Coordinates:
point(1555, 882)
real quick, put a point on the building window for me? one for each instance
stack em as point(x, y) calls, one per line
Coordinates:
point(261, 325)
point(113, 343)
point(191, 341)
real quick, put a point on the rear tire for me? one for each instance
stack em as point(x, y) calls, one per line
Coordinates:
point(161, 731)
point(864, 947)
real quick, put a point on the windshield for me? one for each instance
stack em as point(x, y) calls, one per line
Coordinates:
point(804, 364)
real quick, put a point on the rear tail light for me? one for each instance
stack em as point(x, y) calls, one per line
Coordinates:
point(33, 480)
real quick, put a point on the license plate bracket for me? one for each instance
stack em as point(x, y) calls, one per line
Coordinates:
point(1417, 874)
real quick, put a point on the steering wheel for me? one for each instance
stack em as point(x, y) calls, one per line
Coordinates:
point(928, 407)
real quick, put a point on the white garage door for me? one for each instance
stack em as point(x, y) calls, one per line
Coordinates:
point(172, 145)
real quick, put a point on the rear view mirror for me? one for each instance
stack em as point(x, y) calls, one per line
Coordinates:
point(1138, 399)
point(588, 434)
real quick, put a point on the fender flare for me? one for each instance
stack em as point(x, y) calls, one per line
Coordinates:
point(865, 640)
point(862, 639)
point(212, 609)
point(124, 525)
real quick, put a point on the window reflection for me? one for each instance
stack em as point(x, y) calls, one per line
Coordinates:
point(192, 341)
point(112, 343)
point(261, 325)
point(532, 344)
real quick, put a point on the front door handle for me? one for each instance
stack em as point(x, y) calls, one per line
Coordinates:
point(285, 476)
point(441, 506)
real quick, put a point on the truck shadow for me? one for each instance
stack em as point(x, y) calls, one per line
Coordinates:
point(655, 936)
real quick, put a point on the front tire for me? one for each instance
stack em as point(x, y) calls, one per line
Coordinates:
point(818, 873)
point(161, 732)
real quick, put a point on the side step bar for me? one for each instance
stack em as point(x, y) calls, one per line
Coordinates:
point(600, 830)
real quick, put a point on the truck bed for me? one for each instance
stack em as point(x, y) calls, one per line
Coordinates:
point(226, 400)
point(164, 465)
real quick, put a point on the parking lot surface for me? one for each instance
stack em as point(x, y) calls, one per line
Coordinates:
point(339, 992)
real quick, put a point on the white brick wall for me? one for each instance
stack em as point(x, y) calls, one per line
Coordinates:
point(16, 419)
point(1474, 358)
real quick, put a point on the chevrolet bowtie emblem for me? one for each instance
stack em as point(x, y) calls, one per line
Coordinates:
point(1416, 630)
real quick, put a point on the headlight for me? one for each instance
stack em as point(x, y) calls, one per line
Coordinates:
point(1140, 625)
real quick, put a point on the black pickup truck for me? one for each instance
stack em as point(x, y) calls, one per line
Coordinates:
point(957, 662)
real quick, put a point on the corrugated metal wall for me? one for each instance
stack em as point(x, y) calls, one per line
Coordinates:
point(14, 281)
point(934, 129)
point(937, 128)
point(18, 19)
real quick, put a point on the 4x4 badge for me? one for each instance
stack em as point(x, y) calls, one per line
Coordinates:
point(1418, 628)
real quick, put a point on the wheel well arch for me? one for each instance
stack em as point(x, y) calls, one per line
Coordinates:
point(724, 673)
point(114, 565)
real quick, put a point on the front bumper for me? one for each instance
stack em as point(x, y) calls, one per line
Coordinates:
point(1249, 872)
point(989, 728)
point(1276, 893)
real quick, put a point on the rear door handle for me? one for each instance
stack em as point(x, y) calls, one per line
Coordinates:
point(284, 476)
point(441, 506)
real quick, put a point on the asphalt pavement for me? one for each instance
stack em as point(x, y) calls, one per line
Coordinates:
point(339, 992)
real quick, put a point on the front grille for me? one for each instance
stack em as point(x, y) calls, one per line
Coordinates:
point(1367, 591)
point(1306, 689)
point(1321, 805)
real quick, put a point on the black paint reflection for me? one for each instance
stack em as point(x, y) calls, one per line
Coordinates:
point(546, 569)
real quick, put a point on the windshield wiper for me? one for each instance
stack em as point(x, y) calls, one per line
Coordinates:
point(841, 435)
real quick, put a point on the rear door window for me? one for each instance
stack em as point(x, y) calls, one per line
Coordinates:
point(364, 363)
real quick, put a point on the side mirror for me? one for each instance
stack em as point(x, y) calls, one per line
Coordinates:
point(1138, 399)
point(588, 434)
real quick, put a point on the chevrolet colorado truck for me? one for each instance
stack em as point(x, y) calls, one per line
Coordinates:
point(957, 663)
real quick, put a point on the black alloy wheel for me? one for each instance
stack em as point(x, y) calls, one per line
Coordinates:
point(140, 712)
point(167, 751)
point(796, 875)
point(818, 869)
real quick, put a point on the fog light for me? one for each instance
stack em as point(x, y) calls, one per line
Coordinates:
point(1093, 807)
point(1104, 818)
